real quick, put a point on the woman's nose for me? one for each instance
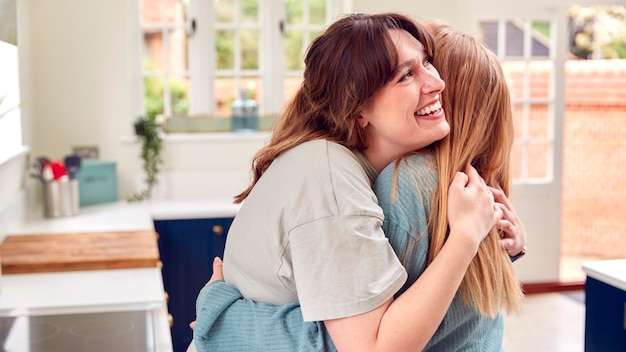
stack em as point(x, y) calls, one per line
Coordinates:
point(433, 83)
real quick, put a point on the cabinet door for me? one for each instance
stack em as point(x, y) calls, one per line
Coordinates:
point(187, 249)
point(605, 318)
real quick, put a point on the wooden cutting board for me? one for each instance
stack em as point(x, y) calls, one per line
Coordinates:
point(78, 251)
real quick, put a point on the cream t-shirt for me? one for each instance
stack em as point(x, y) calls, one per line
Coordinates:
point(310, 232)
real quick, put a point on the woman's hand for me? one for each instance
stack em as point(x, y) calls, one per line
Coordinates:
point(472, 212)
point(513, 232)
point(218, 270)
point(218, 274)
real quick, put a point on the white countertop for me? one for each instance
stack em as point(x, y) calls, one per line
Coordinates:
point(118, 216)
point(612, 272)
point(81, 291)
point(96, 290)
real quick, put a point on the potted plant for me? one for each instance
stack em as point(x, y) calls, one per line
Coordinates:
point(147, 130)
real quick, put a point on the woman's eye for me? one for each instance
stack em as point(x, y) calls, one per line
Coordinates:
point(428, 61)
point(406, 76)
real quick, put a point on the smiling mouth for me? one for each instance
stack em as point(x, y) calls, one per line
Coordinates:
point(430, 109)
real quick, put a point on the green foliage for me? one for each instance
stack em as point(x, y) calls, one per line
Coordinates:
point(147, 130)
point(154, 96)
point(598, 32)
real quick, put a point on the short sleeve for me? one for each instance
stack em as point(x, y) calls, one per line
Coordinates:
point(343, 266)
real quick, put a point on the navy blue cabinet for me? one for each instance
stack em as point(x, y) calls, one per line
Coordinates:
point(187, 248)
point(605, 319)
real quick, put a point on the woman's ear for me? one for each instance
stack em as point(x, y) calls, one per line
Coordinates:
point(362, 121)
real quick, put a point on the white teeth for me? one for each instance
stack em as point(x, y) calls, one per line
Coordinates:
point(429, 109)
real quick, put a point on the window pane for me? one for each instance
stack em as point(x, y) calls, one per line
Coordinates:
point(538, 160)
point(10, 115)
point(227, 90)
point(541, 39)
point(514, 46)
point(177, 51)
point(515, 72)
point(225, 49)
point(294, 50)
point(539, 122)
point(317, 12)
point(152, 12)
point(153, 95)
point(291, 85)
point(224, 88)
point(315, 34)
point(517, 159)
point(518, 120)
point(489, 31)
point(249, 11)
point(179, 95)
point(153, 59)
point(293, 12)
point(224, 11)
point(250, 49)
point(540, 78)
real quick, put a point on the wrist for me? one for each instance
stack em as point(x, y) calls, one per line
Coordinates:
point(518, 255)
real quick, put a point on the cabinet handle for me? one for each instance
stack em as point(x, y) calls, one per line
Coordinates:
point(159, 264)
point(170, 320)
point(167, 296)
point(218, 230)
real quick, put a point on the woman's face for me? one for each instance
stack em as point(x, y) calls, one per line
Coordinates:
point(406, 114)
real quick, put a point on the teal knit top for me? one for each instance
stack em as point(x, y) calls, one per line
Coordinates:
point(228, 322)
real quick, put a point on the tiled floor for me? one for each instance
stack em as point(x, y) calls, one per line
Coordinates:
point(553, 322)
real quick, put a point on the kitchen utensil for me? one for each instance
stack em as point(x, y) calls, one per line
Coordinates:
point(72, 164)
point(42, 161)
point(46, 173)
point(58, 170)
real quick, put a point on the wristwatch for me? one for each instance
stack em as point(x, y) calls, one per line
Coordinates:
point(518, 255)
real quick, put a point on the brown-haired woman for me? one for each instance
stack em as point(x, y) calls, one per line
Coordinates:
point(309, 231)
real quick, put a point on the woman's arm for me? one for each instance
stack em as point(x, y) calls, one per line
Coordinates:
point(407, 323)
point(228, 322)
point(430, 296)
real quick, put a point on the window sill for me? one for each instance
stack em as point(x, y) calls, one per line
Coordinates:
point(215, 124)
point(207, 137)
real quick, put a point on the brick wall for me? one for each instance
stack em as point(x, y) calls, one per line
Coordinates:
point(594, 159)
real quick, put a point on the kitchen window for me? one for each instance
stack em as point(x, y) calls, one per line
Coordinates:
point(526, 49)
point(201, 56)
point(10, 117)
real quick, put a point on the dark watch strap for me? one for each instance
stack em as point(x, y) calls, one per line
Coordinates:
point(518, 255)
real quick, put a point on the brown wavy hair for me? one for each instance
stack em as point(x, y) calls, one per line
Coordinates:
point(478, 107)
point(345, 67)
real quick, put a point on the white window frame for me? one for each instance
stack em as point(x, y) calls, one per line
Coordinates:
point(271, 66)
point(526, 101)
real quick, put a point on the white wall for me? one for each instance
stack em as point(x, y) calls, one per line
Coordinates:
point(454, 12)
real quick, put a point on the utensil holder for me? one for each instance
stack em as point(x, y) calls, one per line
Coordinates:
point(61, 198)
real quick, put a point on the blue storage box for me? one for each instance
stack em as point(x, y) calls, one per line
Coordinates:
point(97, 182)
